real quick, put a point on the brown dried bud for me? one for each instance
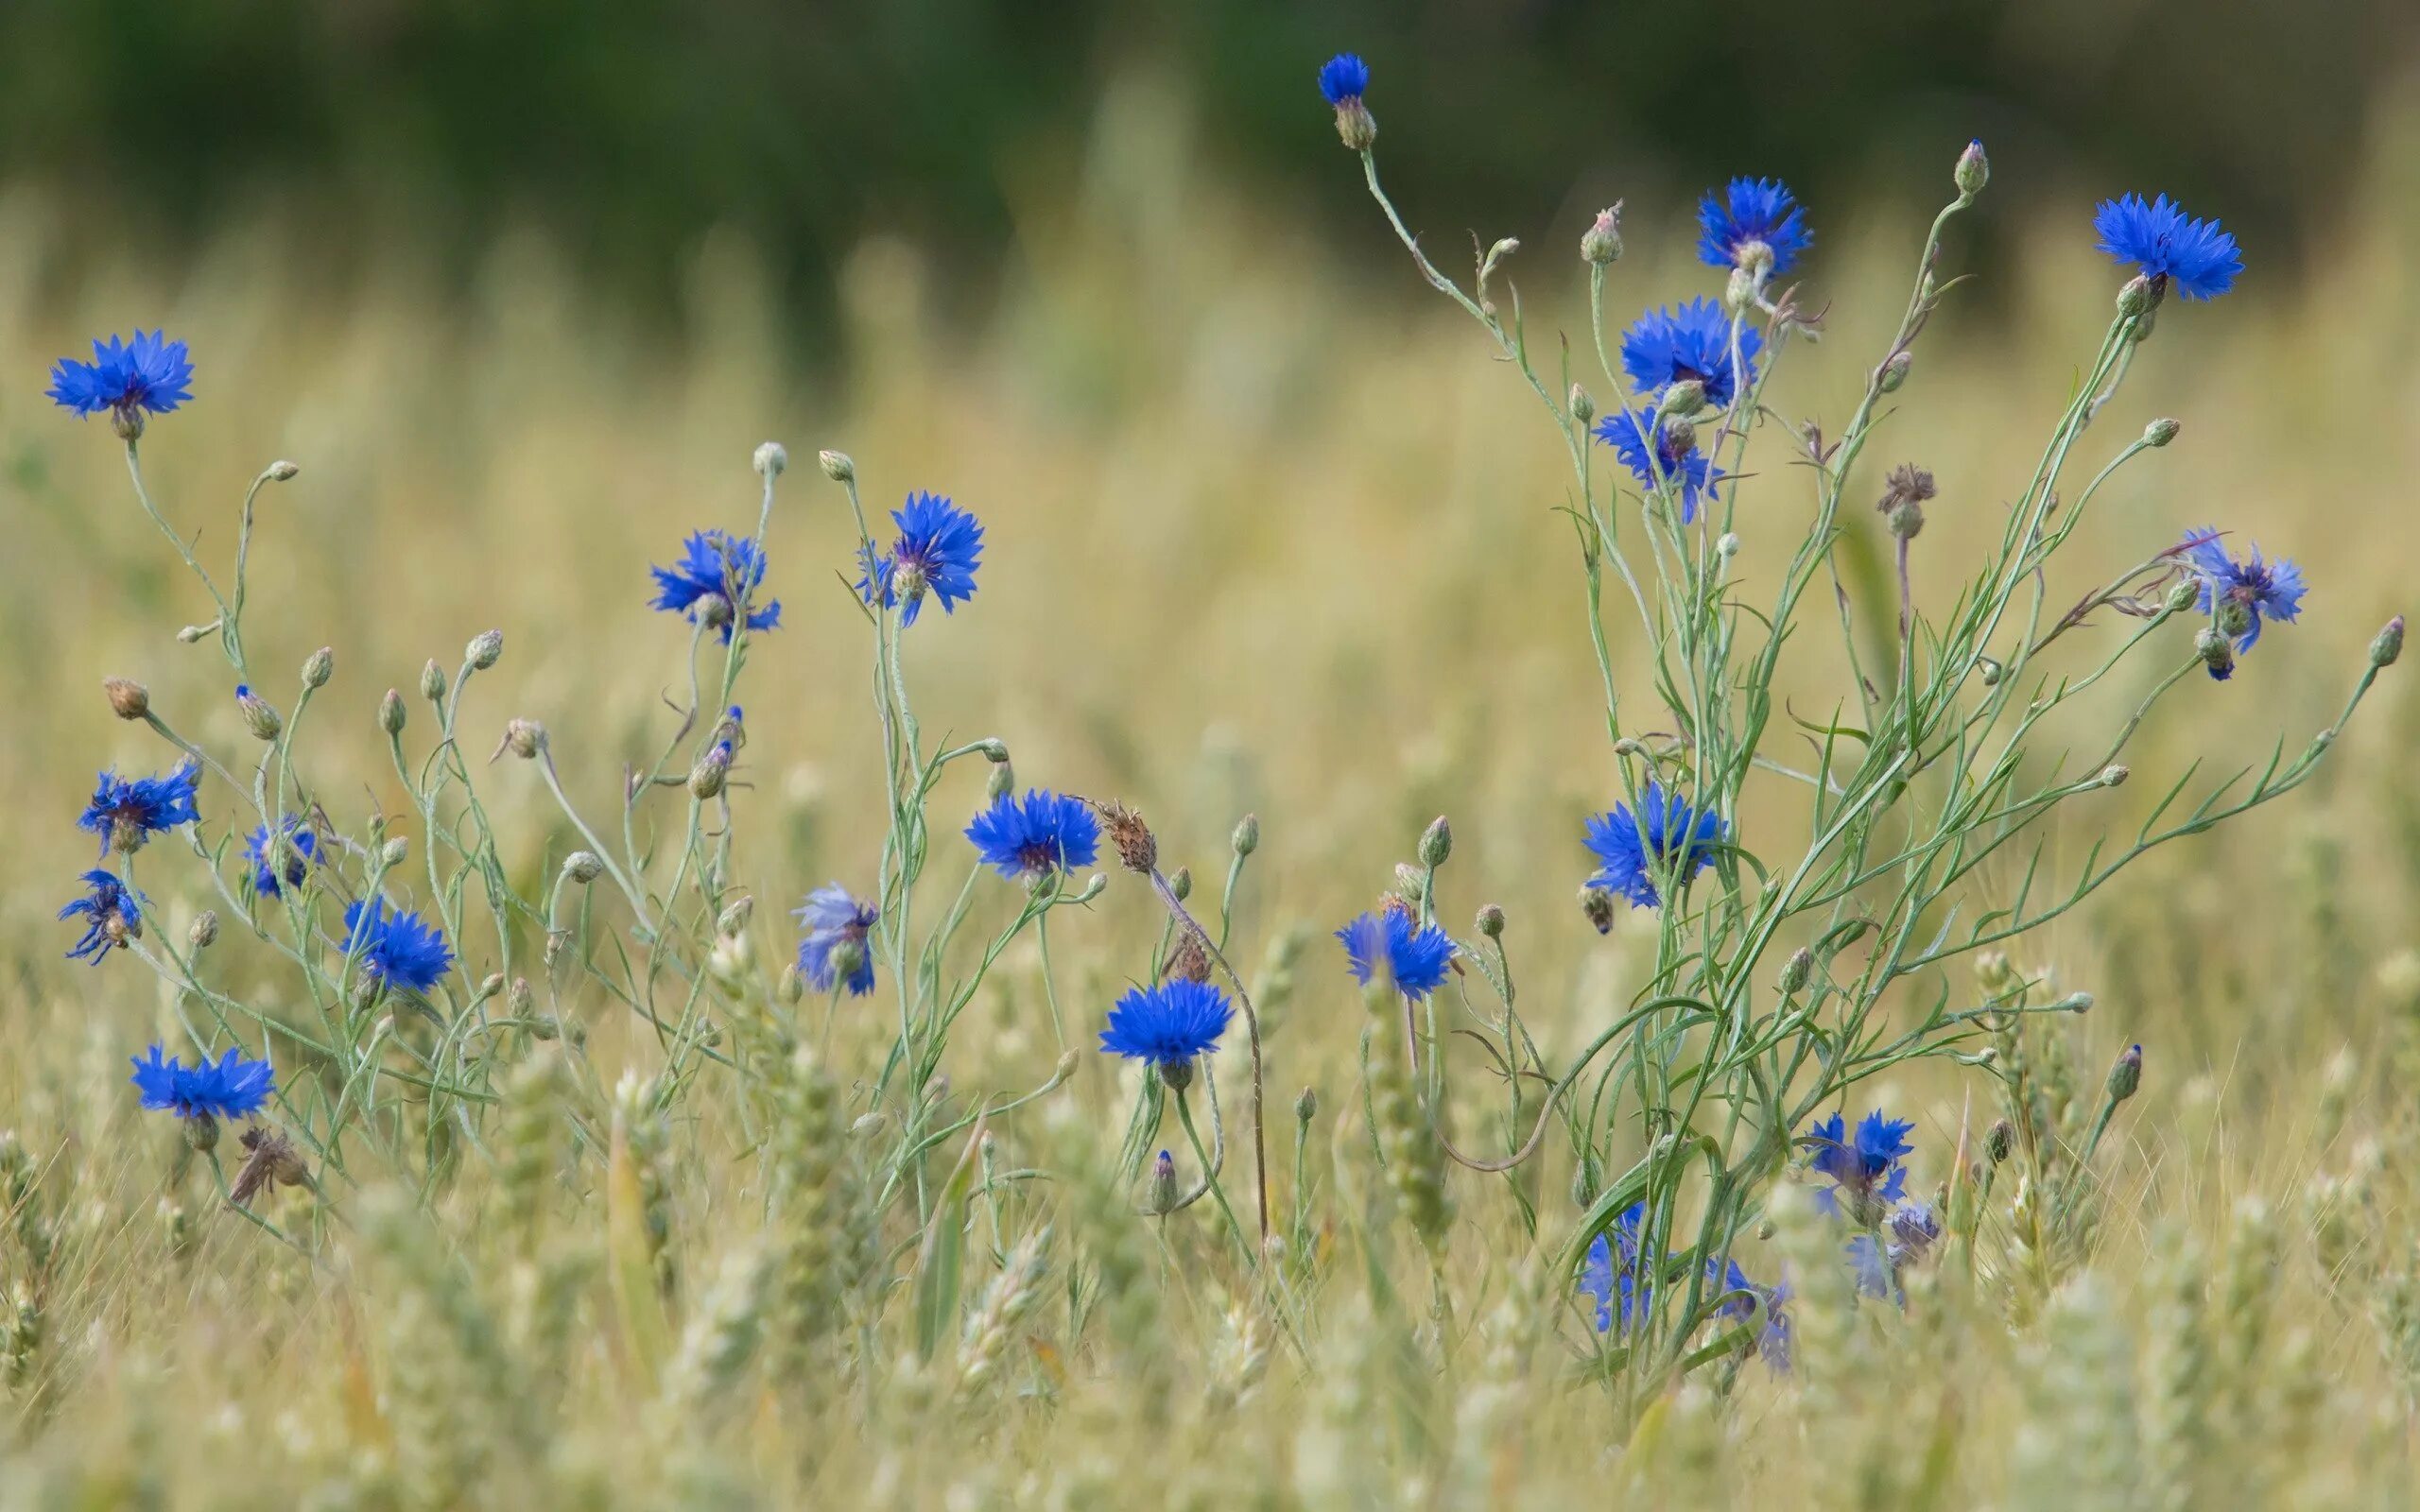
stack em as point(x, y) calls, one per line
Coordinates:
point(271, 1157)
point(1138, 851)
point(128, 699)
point(1188, 962)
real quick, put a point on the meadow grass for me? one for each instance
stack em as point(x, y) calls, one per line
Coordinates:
point(1263, 535)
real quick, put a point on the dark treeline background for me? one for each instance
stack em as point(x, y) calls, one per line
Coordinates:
point(626, 126)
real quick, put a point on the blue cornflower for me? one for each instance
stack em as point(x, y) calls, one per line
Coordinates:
point(2266, 589)
point(283, 863)
point(715, 570)
point(124, 813)
point(1689, 341)
point(834, 949)
point(1689, 473)
point(234, 1088)
point(112, 915)
point(1869, 1172)
point(1665, 834)
point(1606, 1274)
point(1168, 1024)
point(396, 950)
point(1343, 78)
point(1030, 838)
point(2169, 246)
point(1747, 212)
point(1413, 958)
point(147, 374)
point(940, 545)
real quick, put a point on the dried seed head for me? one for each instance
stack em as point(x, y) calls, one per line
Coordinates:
point(1138, 851)
point(203, 930)
point(1188, 962)
point(128, 699)
point(484, 649)
point(270, 1157)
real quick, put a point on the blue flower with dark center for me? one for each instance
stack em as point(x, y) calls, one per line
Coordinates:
point(124, 813)
point(111, 914)
point(940, 545)
point(397, 950)
point(1030, 838)
point(715, 570)
point(1168, 1024)
point(1747, 212)
point(280, 864)
point(1690, 341)
point(834, 949)
point(1687, 473)
point(234, 1088)
point(1413, 958)
point(1605, 1275)
point(2169, 247)
point(1869, 1172)
point(1666, 835)
point(1343, 78)
point(2264, 588)
point(147, 374)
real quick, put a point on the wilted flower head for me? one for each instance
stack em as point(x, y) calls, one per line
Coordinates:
point(1665, 834)
point(1689, 343)
point(938, 548)
point(1030, 837)
point(715, 570)
point(233, 1088)
point(147, 374)
point(833, 950)
point(111, 913)
point(398, 949)
point(284, 862)
point(124, 813)
point(1684, 468)
point(2169, 247)
point(1748, 213)
point(1868, 1171)
point(2266, 589)
point(1413, 958)
point(1166, 1025)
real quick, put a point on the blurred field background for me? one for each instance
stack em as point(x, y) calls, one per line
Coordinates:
point(520, 287)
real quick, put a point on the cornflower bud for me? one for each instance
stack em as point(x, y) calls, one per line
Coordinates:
point(584, 866)
point(1601, 243)
point(203, 930)
point(2212, 646)
point(1181, 883)
point(1490, 921)
point(836, 466)
point(2115, 774)
point(488, 987)
point(2160, 432)
point(318, 667)
point(2233, 617)
point(706, 779)
point(1583, 409)
point(994, 750)
point(521, 998)
point(259, 716)
point(484, 649)
point(524, 738)
point(1436, 843)
point(1798, 969)
point(772, 459)
point(1306, 1104)
point(2126, 1075)
point(2388, 643)
point(1247, 836)
point(1727, 545)
point(283, 470)
point(2000, 1139)
point(1160, 1198)
point(1973, 170)
point(1683, 398)
point(790, 987)
point(998, 783)
point(2183, 594)
point(390, 856)
point(1895, 371)
point(735, 917)
point(391, 712)
point(128, 699)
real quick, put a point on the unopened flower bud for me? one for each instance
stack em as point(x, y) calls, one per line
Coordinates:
point(772, 459)
point(1998, 977)
point(432, 681)
point(1176, 1076)
point(1597, 905)
point(2115, 775)
point(2183, 594)
point(1601, 243)
point(1727, 545)
point(1410, 884)
point(1684, 398)
point(2233, 617)
point(1306, 1104)
point(1991, 670)
point(194, 632)
point(1973, 170)
point(1436, 843)
point(484, 649)
point(201, 1132)
point(520, 998)
point(260, 717)
point(283, 470)
point(994, 751)
point(584, 866)
point(1000, 780)
point(1354, 126)
point(2126, 1075)
point(735, 917)
point(2160, 432)
point(1583, 409)
point(391, 712)
point(1491, 920)
point(203, 930)
point(1160, 1198)
point(488, 987)
point(128, 699)
point(1094, 887)
point(318, 667)
point(1998, 1143)
point(2141, 295)
point(706, 779)
point(836, 466)
point(1798, 969)
point(790, 987)
point(2216, 652)
point(1181, 883)
point(1247, 836)
point(2388, 643)
point(390, 856)
point(1895, 371)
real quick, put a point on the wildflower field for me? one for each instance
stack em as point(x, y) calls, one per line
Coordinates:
point(1645, 856)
